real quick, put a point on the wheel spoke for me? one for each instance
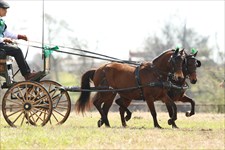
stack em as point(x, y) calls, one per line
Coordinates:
point(38, 116)
point(40, 110)
point(14, 94)
point(49, 88)
point(26, 92)
point(42, 106)
point(11, 107)
point(39, 100)
point(55, 117)
point(31, 118)
point(15, 112)
point(37, 94)
point(54, 91)
point(56, 97)
point(18, 117)
point(22, 120)
point(50, 121)
point(64, 101)
point(14, 101)
point(58, 112)
point(30, 90)
point(45, 114)
point(20, 91)
point(61, 107)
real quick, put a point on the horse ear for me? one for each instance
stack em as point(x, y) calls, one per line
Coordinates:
point(176, 51)
point(195, 54)
point(199, 63)
point(182, 51)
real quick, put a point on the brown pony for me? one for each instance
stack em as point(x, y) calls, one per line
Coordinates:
point(190, 65)
point(120, 76)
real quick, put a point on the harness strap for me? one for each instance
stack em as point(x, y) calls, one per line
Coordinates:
point(138, 81)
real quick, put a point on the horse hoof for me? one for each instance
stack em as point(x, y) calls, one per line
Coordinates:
point(107, 126)
point(124, 125)
point(100, 123)
point(127, 118)
point(187, 114)
point(175, 127)
point(158, 126)
point(170, 121)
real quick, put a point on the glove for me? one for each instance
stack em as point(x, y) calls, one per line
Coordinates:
point(7, 40)
point(23, 37)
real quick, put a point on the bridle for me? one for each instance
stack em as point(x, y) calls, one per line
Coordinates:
point(188, 70)
point(173, 65)
point(173, 62)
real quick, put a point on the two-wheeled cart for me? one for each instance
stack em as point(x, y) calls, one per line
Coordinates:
point(34, 102)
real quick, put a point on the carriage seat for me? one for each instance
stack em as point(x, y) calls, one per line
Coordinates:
point(6, 70)
point(2, 61)
point(5, 61)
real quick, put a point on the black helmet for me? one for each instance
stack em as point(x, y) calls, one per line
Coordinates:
point(4, 4)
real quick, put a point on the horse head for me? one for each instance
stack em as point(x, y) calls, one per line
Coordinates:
point(189, 67)
point(176, 61)
point(170, 62)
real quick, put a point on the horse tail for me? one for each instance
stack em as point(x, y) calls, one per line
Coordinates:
point(83, 103)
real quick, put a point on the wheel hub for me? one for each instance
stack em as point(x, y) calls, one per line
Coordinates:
point(27, 106)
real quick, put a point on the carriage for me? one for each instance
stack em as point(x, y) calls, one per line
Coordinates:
point(34, 102)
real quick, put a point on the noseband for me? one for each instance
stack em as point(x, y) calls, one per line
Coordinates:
point(190, 68)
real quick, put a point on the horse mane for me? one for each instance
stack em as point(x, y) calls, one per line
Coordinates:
point(157, 57)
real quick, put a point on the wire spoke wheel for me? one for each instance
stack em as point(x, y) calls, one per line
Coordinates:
point(27, 102)
point(61, 102)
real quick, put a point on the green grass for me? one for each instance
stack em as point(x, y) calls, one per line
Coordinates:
point(202, 131)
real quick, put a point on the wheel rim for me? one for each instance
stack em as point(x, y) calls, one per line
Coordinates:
point(61, 102)
point(27, 103)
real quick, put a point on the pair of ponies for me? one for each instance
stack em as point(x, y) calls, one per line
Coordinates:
point(170, 66)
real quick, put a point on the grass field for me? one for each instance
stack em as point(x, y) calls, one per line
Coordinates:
point(201, 131)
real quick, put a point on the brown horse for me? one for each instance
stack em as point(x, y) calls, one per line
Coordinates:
point(119, 76)
point(190, 65)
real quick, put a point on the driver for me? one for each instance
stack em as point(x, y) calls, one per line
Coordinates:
point(6, 38)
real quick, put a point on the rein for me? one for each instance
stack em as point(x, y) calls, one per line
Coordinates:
point(167, 85)
point(160, 73)
point(102, 57)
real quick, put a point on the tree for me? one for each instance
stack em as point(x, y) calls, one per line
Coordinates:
point(54, 28)
point(210, 74)
point(173, 36)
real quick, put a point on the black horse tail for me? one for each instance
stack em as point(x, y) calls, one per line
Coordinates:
point(83, 103)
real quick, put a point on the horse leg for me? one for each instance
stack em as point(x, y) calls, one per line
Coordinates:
point(106, 106)
point(151, 106)
point(97, 103)
point(124, 103)
point(172, 110)
point(185, 99)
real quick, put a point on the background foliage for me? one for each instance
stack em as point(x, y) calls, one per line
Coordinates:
point(68, 70)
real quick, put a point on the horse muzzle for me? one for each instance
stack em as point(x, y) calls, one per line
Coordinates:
point(178, 75)
point(193, 78)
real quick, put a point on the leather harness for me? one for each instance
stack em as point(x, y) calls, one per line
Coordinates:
point(138, 81)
